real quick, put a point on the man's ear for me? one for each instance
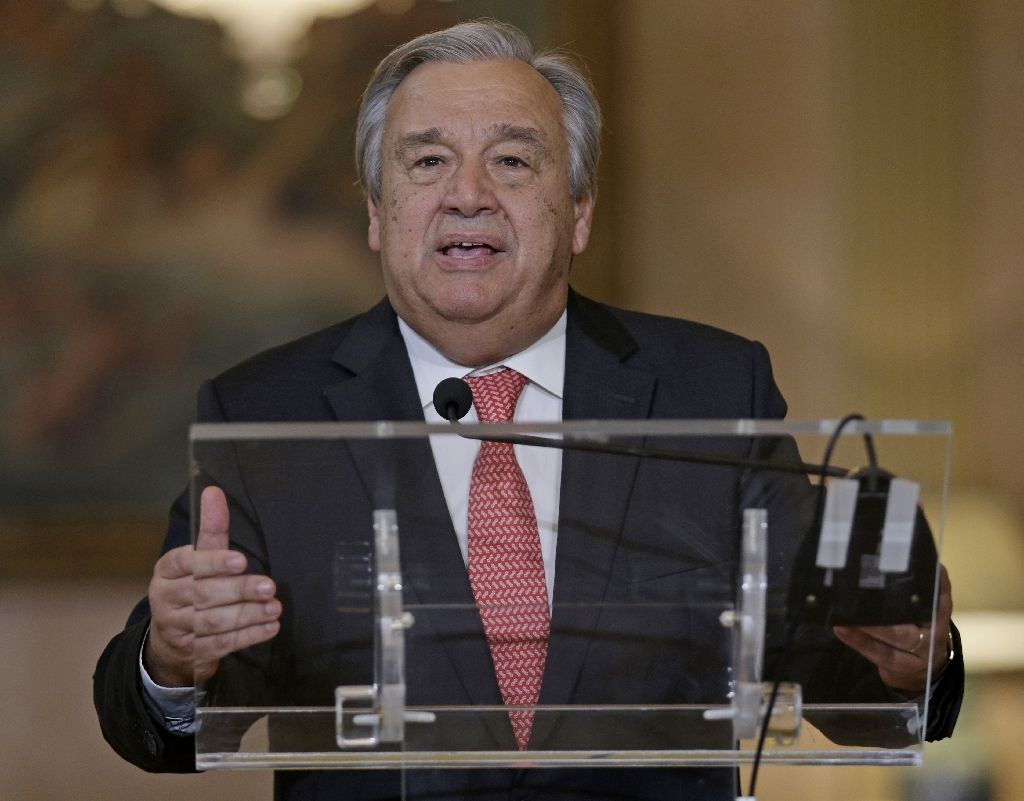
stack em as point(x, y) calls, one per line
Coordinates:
point(373, 232)
point(584, 208)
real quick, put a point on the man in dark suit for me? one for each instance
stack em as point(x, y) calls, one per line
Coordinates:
point(479, 163)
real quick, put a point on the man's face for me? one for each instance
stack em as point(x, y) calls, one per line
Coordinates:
point(476, 225)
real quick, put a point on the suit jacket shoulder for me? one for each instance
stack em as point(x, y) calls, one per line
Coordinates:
point(292, 382)
point(698, 371)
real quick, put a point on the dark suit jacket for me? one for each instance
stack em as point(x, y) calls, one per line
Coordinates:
point(630, 532)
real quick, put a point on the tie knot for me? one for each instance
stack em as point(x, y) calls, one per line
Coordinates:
point(495, 394)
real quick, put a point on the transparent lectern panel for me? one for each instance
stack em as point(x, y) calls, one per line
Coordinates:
point(698, 568)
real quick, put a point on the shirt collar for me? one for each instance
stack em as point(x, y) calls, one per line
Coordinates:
point(543, 362)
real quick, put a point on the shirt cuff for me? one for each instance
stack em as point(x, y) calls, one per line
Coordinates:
point(173, 707)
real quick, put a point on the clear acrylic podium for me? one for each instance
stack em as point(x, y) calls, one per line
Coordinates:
point(697, 573)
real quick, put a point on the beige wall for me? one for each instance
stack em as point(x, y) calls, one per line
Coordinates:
point(728, 207)
point(51, 748)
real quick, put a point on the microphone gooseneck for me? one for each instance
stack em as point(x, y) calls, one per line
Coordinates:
point(453, 398)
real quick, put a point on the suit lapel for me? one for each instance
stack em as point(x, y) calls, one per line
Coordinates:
point(595, 488)
point(401, 474)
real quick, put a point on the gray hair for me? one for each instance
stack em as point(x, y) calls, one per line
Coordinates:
point(482, 40)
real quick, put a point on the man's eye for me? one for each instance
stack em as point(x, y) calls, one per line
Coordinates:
point(511, 161)
point(428, 161)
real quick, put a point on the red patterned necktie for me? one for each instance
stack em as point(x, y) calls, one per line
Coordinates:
point(506, 569)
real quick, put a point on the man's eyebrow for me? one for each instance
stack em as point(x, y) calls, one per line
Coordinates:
point(431, 136)
point(501, 132)
point(531, 137)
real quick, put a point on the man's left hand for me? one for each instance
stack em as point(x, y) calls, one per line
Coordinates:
point(901, 652)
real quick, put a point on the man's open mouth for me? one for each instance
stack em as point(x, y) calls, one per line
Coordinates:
point(468, 249)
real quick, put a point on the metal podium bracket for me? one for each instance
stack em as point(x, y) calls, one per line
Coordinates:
point(386, 716)
point(749, 696)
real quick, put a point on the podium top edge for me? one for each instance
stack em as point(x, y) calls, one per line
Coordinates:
point(599, 429)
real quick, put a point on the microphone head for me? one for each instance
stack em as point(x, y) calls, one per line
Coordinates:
point(452, 399)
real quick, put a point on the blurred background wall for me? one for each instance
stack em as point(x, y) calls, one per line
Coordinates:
point(841, 180)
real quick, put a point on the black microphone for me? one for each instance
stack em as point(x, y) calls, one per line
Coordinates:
point(452, 399)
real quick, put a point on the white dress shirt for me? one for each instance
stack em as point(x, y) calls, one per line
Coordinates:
point(543, 364)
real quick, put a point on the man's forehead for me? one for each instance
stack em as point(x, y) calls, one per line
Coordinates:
point(496, 93)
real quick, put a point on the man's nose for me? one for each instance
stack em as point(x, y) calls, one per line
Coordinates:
point(470, 190)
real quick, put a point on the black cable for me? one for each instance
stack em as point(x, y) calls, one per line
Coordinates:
point(794, 622)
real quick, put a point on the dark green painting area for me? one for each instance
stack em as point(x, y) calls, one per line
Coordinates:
point(152, 233)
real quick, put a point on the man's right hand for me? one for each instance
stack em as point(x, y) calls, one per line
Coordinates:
point(203, 605)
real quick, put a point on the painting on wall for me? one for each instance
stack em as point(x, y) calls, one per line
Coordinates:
point(153, 231)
